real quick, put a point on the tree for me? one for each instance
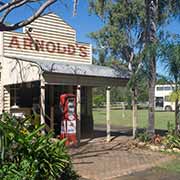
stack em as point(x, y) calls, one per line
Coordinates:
point(122, 39)
point(130, 32)
point(158, 12)
point(171, 56)
point(150, 40)
point(8, 6)
point(161, 79)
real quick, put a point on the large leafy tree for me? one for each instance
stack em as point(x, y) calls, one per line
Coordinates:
point(121, 40)
point(158, 12)
point(130, 35)
point(171, 56)
point(150, 39)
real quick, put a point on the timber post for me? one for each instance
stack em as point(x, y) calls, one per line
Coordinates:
point(78, 100)
point(108, 130)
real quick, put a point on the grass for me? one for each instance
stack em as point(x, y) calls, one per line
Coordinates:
point(124, 118)
point(172, 166)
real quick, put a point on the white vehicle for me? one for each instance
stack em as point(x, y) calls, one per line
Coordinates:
point(162, 94)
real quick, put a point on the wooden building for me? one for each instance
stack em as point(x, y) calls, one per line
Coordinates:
point(44, 61)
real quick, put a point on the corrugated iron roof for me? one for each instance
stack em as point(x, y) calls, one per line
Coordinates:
point(79, 69)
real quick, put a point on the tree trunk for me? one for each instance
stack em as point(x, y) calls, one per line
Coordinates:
point(176, 109)
point(176, 116)
point(151, 15)
point(134, 111)
point(151, 83)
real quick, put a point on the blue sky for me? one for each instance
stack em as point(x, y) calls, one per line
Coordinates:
point(173, 27)
point(83, 22)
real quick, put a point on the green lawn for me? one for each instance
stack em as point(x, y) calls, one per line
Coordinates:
point(124, 118)
point(172, 166)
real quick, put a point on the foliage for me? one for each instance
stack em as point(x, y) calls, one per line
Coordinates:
point(142, 86)
point(175, 95)
point(69, 174)
point(118, 94)
point(122, 37)
point(98, 100)
point(144, 137)
point(124, 29)
point(172, 141)
point(130, 36)
point(161, 79)
point(118, 37)
point(170, 127)
point(27, 154)
point(171, 53)
point(171, 59)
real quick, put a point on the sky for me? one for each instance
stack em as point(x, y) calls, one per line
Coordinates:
point(83, 22)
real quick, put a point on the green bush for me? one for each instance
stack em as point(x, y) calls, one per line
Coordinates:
point(144, 137)
point(98, 100)
point(172, 141)
point(26, 154)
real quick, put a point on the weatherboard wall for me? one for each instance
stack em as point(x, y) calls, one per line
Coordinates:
point(48, 38)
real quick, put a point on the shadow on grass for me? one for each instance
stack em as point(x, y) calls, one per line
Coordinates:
point(116, 131)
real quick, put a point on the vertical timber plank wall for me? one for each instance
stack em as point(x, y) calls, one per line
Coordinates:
point(86, 112)
point(54, 38)
point(7, 99)
point(1, 62)
point(1, 104)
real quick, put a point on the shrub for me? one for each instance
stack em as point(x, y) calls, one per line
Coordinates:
point(172, 141)
point(98, 100)
point(144, 137)
point(29, 155)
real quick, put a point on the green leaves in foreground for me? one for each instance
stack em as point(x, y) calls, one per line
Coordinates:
point(29, 155)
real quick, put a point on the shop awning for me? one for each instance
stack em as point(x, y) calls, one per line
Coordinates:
point(82, 69)
point(58, 72)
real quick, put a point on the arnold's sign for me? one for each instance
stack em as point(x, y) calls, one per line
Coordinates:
point(48, 46)
point(49, 38)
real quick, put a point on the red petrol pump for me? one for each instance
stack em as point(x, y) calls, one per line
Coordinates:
point(69, 118)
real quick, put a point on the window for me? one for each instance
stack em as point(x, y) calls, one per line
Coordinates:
point(159, 102)
point(24, 95)
point(164, 88)
point(167, 88)
point(159, 88)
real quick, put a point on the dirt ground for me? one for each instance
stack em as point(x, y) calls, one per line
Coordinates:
point(119, 160)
